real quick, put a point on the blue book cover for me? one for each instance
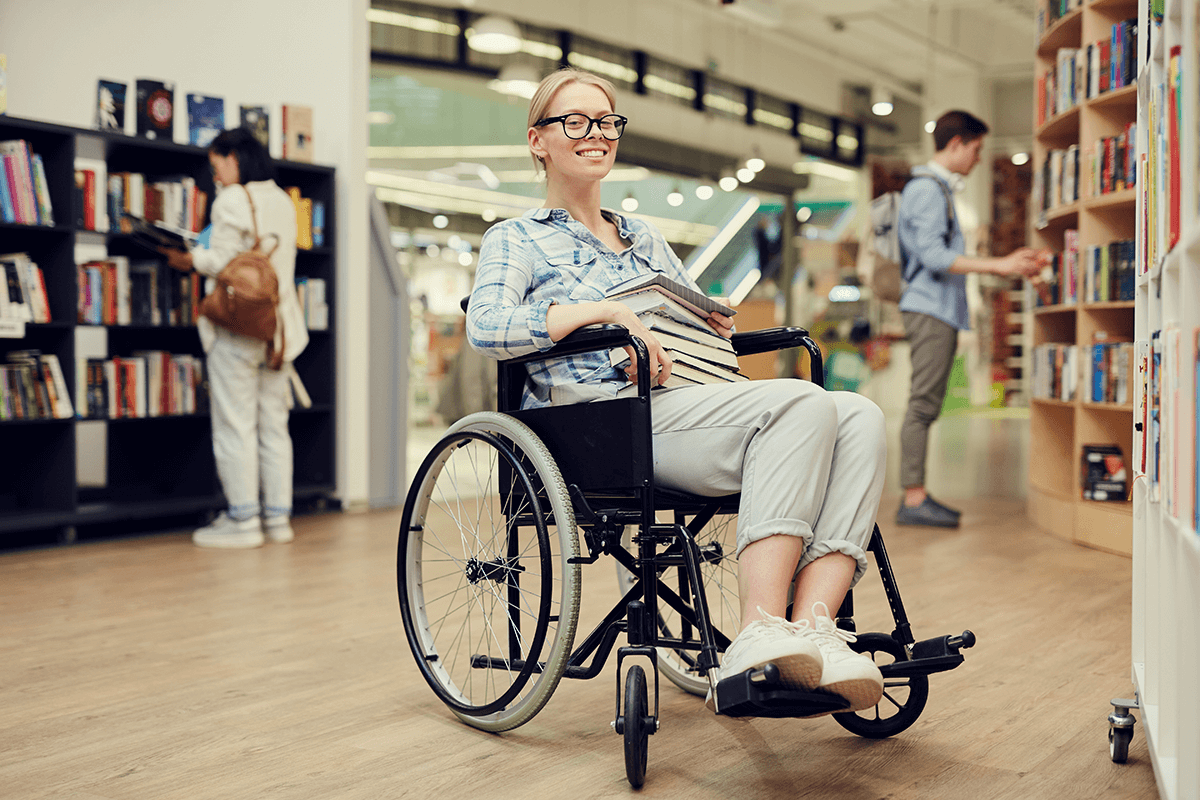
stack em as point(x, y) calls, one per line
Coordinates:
point(7, 211)
point(318, 224)
point(206, 118)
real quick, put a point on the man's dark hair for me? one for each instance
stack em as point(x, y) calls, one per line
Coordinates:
point(957, 123)
point(254, 162)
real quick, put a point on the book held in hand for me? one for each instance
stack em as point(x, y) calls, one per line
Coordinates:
point(686, 296)
point(153, 235)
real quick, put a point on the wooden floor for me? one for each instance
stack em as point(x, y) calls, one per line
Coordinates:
point(147, 668)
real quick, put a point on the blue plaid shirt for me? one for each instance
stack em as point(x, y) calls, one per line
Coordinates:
point(545, 257)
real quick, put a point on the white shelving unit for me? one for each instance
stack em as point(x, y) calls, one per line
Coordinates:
point(1166, 546)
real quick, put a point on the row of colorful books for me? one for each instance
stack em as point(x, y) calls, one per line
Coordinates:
point(23, 295)
point(1081, 73)
point(32, 386)
point(310, 220)
point(1056, 180)
point(1112, 165)
point(1109, 271)
point(1166, 441)
point(24, 192)
point(155, 116)
point(117, 291)
point(313, 302)
point(1108, 372)
point(1054, 372)
point(1052, 11)
point(175, 201)
point(148, 383)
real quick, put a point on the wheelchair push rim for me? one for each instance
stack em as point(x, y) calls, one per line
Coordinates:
point(488, 598)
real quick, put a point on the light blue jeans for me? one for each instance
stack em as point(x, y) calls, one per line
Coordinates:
point(808, 462)
point(251, 442)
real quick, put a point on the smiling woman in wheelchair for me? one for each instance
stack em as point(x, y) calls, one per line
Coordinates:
point(809, 464)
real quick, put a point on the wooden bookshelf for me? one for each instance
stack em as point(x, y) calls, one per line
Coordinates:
point(1165, 633)
point(159, 471)
point(1060, 429)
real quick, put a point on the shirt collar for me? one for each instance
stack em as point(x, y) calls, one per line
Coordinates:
point(955, 181)
point(562, 215)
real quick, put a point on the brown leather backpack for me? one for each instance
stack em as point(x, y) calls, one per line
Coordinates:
point(247, 293)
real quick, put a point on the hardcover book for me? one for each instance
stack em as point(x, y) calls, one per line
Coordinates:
point(206, 118)
point(257, 119)
point(110, 105)
point(155, 108)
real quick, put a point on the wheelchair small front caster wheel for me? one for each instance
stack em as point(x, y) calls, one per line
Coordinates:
point(1118, 744)
point(638, 726)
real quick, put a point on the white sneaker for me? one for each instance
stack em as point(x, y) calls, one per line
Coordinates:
point(773, 640)
point(845, 673)
point(226, 533)
point(279, 529)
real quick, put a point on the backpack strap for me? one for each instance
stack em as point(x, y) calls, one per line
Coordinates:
point(949, 234)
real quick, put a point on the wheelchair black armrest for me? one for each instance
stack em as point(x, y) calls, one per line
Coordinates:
point(768, 340)
point(583, 340)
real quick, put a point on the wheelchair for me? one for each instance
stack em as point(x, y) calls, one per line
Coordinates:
point(508, 505)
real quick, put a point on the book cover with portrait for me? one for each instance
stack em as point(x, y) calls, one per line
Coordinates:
point(110, 105)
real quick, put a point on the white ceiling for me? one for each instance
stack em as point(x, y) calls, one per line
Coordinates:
point(906, 40)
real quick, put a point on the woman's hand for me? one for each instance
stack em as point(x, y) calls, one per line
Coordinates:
point(177, 259)
point(659, 360)
point(565, 318)
point(720, 323)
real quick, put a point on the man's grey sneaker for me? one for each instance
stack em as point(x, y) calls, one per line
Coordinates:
point(943, 506)
point(773, 640)
point(279, 529)
point(928, 514)
point(845, 673)
point(229, 534)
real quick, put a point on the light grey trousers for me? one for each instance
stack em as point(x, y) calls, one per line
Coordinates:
point(808, 462)
point(251, 442)
point(932, 343)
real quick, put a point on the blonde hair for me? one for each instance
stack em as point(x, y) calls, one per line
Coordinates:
point(550, 85)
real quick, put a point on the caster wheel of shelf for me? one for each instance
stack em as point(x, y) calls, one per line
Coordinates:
point(1118, 744)
point(637, 726)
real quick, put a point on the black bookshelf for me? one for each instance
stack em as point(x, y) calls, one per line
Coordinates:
point(160, 472)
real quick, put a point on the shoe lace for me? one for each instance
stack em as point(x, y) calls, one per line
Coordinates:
point(826, 632)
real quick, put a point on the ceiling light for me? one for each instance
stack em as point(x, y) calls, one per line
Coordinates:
point(380, 118)
point(433, 251)
point(704, 191)
point(755, 163)
point(1020, 158)
point(881, 102)
point(441, 221)
point(464, 259)
point(745, 174)
point(803, 214)
point(492, 34)
point(727, 183)
point(516, 80)
point(930, 126)
point(489, 215)
point(675, 198)
point(630, 203)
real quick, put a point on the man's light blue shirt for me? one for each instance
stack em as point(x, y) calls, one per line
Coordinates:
point(933, 289)
point(543, 257)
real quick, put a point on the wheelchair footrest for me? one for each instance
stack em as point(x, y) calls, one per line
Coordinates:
point(938, 654)
point(760, 693)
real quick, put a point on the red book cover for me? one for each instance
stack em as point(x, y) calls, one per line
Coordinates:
point(89, 200)
point(1105, 63)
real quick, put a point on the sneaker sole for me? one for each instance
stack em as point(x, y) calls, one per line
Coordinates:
point(229, 541)
point(861, 693)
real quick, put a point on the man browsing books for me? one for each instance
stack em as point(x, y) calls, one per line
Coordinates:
point(934, 302)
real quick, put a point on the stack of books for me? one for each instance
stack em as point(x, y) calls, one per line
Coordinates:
point(676, 315)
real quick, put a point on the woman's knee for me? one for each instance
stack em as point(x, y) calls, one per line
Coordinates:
point(859, 411)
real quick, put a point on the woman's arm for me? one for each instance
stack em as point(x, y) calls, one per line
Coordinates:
point(230, 224)
point(564, 319)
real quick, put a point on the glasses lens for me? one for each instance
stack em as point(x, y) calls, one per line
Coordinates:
point(612, 126)
point(576, 125)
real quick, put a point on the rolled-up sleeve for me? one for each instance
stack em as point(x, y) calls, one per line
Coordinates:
point(923, 226)
point(503, 321)
point(231, 226)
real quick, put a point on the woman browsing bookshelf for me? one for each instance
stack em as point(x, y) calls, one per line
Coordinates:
point(249, 399)
point(809, 463)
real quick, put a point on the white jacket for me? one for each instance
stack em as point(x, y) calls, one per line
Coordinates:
point(233, 233)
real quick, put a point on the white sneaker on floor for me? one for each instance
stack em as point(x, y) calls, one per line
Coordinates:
point(279, 529)
point(773, 640)
point(226, 533)
point(845, 673)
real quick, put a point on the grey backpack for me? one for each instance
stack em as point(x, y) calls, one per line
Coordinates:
point(888, 280)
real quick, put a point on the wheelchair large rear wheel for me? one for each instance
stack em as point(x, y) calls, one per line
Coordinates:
point(489, 599)
point(719, 573)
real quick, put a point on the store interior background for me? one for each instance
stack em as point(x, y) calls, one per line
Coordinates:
point(408, 120)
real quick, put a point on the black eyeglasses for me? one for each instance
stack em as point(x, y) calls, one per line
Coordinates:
point(578, 126)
